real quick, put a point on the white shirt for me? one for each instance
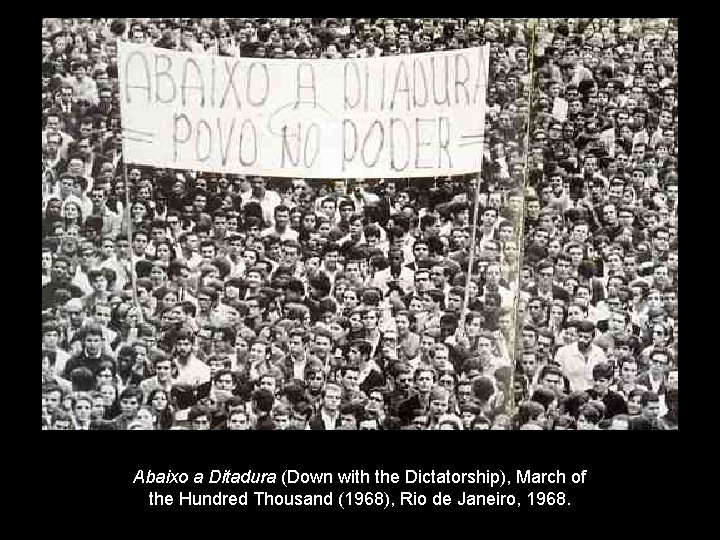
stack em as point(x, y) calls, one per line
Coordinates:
point(328, 421)
point(268, 203)
point(194, 373)
point(287, 234)
point(406, 278)
point(576, 367)
point(299, 369)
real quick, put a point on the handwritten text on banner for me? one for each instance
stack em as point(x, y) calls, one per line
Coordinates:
point(414, 115)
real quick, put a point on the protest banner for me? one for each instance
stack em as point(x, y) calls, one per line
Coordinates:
point(405, 116)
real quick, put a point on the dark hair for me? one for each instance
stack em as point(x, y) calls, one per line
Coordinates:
point(196, 411)
point(132, 392)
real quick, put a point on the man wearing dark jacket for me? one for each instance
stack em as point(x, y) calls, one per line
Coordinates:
point(91, 356)
point(614, 402)
point(328, 417)
point(545, 287)
point(649, 419)
point(59, 279)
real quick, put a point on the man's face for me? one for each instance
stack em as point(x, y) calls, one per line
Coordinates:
point(139, 244)
point(580, 233)
point(59, 270)
point(282, 218)
point(238, 421)
point(629, 370)
point(183, 347)
point(254, 279)
point(129, 406)
point(93, 344)
point(322, 345)
point(484, 348)
point(601, 385)
point(541, 238)
point(51, 400)
point(403, 381)
point(350, 380)
point(439, 406)
point(102, 314)
point(369, 320)
point(328, 208)
point(651, 411)
point(545, 277)
point(201, 423)
point(422, 281)
point(553, 382)
point(529, 364)
point(331, 260)
point(424, 381)
point(441, 355)
point(331, 400)
point(658, 362)
point(420, 251)
point(207, 252)
point(489, 217)
point(268, 383)
point(164, 371)
point(584, 340)
point(220, 225)
point(492, 275)
point(82, 410)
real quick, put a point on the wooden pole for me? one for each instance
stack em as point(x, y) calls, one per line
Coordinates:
point(471, 260)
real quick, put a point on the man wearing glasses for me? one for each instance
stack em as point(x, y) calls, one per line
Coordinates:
point(545, 287)
point(655, 378)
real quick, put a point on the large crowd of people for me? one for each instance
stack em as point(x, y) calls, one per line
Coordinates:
point(539, 294)
point(599, 344)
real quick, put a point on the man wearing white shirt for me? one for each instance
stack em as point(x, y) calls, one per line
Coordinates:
point(281, 227)
point(83, 87)
point(191, 370)
point(52, 125)
point(330, 265)
point(50, 340)
point(492, 284)
point(267, 199)
point(190, 246)
point(579, 358)
point(297, 355)
point(395, 272)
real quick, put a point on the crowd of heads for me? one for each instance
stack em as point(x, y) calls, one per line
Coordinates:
point(174, 299)
point(599, 274)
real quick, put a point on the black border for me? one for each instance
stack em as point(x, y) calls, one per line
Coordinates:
point(86, 485)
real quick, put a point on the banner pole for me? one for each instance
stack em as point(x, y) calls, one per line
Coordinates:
point(133, 274)
point(471, 260)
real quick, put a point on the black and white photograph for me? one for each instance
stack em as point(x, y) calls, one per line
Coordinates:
point(360, 224)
